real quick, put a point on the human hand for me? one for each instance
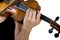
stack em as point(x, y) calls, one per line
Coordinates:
point(31, 19)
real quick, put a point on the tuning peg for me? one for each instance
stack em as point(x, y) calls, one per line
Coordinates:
point(56, 19)
point(56, 35)
point(50, 30)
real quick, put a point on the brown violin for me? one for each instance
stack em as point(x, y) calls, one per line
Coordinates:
point(21, 8)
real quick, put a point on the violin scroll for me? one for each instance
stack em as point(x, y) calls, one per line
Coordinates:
point(56, 26)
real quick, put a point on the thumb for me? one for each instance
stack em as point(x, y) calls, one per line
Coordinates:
point(12, 11)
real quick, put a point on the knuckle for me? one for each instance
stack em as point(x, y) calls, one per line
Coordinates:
point(37, 21)
point(33, 20)
point(28, 19)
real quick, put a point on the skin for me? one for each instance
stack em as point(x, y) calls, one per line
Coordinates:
point(31, 20)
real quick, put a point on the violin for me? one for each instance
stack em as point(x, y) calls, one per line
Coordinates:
point(21, 8)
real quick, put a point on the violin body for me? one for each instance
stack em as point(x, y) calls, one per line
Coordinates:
point(3, 5)
point(19, 14)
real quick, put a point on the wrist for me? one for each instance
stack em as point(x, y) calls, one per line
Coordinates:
point(26, 29)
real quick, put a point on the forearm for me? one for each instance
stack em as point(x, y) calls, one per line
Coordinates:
point(4, 16)
point(18, 28)
point(23, 35)
point(2, 19)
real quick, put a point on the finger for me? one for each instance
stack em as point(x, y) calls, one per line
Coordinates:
point(38, 21)
point(34, 14)
point(30, 13)
point(11, 11)
point(38, 15)
point(27, 13)
point(38, 18)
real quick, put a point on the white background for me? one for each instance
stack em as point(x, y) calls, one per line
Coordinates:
point(50, 8)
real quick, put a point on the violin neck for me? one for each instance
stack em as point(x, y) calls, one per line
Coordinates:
point(45, 18)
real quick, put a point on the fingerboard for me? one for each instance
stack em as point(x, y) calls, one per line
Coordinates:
point(21, 6)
